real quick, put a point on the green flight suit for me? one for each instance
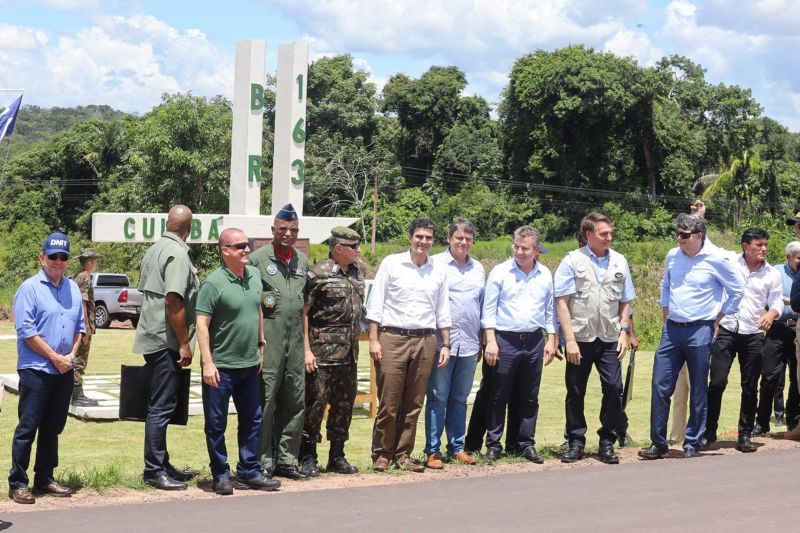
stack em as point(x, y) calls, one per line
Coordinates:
point(284, 371)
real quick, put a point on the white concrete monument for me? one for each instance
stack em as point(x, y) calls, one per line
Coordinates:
point(288, 171)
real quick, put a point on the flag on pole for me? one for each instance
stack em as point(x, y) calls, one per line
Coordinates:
point(8, 117)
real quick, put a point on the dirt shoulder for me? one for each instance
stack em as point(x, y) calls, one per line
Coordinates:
point(92, 498)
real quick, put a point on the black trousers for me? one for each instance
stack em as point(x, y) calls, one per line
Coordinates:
point(748, 348)
point(602, 355)
point(163, 370)
point(476, 430)
point(779, 351)
point(519, 367)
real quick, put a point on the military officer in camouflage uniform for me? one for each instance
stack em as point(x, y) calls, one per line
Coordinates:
point(334, 300)
point(283, 276)
point(88, 258)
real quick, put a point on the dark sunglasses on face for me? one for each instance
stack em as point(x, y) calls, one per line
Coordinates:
point(685, 234)
point(238, 245)
point(58, 257)
point(353, 245)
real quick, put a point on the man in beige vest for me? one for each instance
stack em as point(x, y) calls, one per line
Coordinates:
point(593, 290)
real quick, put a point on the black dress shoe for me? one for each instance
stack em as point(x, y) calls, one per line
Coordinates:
point(257, 482)
point(339, 465)
point(707, 440)
point(573, 455)
point(492, 455)
point(690, 452)
point(744, 445)
point(309, 466)
point(653, 452)
point(780, 419)
point(223, 486)
point(759, 430)
point(625, 440)
point(608, 455)
point(532, 455)
point(164, 482)
point(180, 475)
point(289, 472)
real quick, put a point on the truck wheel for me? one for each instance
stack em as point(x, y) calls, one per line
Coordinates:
point(101, 318)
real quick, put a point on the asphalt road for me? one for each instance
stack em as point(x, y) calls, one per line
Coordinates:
point(756, 492)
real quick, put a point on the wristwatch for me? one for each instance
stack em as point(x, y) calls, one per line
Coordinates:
point(626, 329)
point(446, 346)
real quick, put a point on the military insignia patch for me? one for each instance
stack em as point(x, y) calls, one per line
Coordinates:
point(272, 270)
point(269, 301)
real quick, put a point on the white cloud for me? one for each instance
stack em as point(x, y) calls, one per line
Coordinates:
point(626, 43)
point(19, 38)
point(125, 62)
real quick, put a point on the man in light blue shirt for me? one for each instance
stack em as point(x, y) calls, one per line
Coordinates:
point(48, 316)
point(518, 312)
point(695, 278)
point(449, 386)
point(593, 289)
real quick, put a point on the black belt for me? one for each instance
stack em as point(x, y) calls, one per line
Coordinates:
point(406, 332)
point(789, 323)
point(689, 324)
point(521, 335)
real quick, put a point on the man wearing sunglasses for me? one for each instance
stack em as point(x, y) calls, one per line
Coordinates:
point(283, 271)
point(697, 277)
point(231, 351)
point(334, 302)
point(165, 336)
point(48, 317)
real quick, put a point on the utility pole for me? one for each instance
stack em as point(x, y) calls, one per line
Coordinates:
point(375, 209)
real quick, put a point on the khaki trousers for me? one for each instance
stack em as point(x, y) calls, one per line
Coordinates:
point(406, 364)
point(680, 401)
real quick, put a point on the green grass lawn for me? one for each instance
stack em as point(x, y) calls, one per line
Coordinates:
point(106, 454)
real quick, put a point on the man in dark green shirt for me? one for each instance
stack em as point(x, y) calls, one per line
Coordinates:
point(231, 349)
point(283, 277)
point(165, 335)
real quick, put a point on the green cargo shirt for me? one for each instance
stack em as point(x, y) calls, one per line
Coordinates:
point(166, 267)
point(84, 282)
point(232, 303)
point(282, 301)
point(335, 299)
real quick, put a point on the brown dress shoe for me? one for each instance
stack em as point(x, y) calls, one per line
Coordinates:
point(435, 461)
point(54, 488)
point(410, 465)
point(464, 458)
point(22, 495)
point(380, 464)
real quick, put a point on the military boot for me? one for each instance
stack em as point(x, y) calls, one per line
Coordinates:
point(337, 462)
point(308, 460)
point(81, 400)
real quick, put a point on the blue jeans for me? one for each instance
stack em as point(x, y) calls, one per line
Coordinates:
point(681, 344)
point(43, 405)
point(244, 385)
point(446, 407)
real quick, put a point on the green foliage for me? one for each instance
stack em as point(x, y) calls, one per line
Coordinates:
point(631, 227)
point(394, 219)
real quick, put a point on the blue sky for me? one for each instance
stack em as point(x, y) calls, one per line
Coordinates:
point(127, 53)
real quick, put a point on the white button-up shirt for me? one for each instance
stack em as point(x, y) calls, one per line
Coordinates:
point(762, 288)
point(407, 296)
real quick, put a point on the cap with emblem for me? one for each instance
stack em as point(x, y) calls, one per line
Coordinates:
point(89, 253)
point(54, 243)
point(287, 213)
point(791, 221)
point(343, 232)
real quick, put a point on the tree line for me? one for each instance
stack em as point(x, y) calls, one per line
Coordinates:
point(575, 129)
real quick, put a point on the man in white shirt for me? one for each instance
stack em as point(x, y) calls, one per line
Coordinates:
point(742, 334)
point(409, 301)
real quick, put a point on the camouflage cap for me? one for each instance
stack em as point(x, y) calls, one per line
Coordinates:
point(342, 232)
point(89, 253)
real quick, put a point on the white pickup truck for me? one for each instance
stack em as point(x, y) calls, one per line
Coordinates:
point(114, 299)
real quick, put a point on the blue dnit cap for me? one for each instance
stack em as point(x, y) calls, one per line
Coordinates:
point(542, 249)
point(56, 242)
point(287, 213)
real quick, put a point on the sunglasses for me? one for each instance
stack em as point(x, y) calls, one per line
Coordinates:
point(354, 245)
point(685, 234)
point(58, 257)
point(238, 245)
point(284, 229)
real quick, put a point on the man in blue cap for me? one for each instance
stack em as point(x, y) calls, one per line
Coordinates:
point(283, 277)
point(48, 317)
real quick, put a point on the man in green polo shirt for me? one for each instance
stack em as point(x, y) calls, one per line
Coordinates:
point(283, 277)
point(165, 336)
point(231, 350)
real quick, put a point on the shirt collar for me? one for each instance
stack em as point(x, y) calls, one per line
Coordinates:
point(233, 277)
point(407, 259)
point(174, 237)
point(594, 255)
point(743, 262)
point(452, 260)
point(515, 266)
point(44, 278)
